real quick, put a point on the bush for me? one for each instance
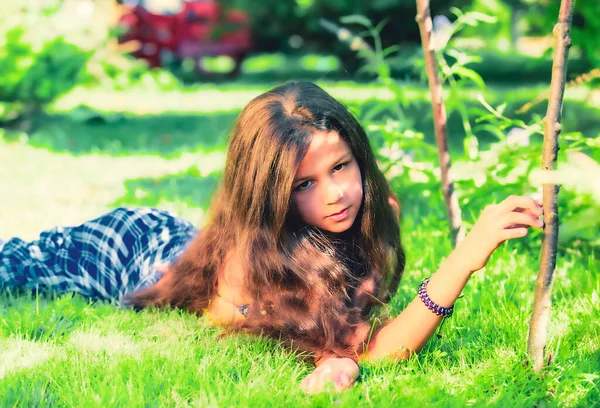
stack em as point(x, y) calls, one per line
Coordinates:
point(31, 78)
point(37, 61)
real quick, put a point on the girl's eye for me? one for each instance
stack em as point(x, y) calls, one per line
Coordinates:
point(340, 166)
point(306, 184)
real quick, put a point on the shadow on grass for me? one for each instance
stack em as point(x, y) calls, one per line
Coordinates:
point(84, 131)
point(165, 135)
point(188, 187)
point(44, 316)
point(495, 66)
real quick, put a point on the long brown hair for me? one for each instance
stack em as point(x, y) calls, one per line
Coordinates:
point(304, 281)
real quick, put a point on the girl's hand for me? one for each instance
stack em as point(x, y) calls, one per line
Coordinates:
point(341, 372)
point(498, 223)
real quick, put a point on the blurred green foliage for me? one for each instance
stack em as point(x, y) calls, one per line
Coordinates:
point(500, 149)
point(48, 48)
point(30, 77)
point(37, 61)
point(274, 23)
point(292, 25)
point(584, 32)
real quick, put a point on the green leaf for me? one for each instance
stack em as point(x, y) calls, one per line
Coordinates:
point(381, 24)
point(462, 58)
point(456, 11)
point(356, 19)
point(473, 18)
point(470, 74)
point(501, 109)
point(476, 15)
point(491, 129)
point(390, 50)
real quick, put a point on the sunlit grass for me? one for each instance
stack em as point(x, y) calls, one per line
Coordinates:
point(65, 351)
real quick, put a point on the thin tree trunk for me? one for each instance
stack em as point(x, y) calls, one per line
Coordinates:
point(540, 317)
point(439, 119)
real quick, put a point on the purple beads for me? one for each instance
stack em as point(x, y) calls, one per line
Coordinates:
point(430, 304)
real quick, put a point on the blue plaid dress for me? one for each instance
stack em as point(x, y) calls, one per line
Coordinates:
point(104, 259)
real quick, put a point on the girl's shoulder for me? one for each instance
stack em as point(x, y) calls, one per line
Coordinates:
point(232, 298)
point(231, 279)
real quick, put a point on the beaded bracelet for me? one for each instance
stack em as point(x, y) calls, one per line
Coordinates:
point(431, 305)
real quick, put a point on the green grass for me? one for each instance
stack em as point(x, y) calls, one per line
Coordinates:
point(64, 351)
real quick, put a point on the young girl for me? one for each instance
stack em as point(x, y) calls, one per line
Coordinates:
point(301, 244)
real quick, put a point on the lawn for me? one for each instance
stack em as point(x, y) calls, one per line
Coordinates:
point(167, 150)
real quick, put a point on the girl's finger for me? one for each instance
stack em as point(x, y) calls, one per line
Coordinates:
point(343, 381)
point(538, 212)
point(513, 233)
point(516, 219)
point(513, 226)
point(525, 203)
point(324, 370)
point(313, 385)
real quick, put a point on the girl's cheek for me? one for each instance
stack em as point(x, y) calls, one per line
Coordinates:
point(303, 203)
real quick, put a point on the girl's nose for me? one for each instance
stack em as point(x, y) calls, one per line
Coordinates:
point(334, 193)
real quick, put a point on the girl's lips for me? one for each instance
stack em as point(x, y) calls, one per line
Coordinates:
point(340, 216)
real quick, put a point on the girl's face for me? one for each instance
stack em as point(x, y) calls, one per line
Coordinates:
point(327, 190)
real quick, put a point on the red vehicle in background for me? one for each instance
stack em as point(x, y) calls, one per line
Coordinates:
point(171, 31)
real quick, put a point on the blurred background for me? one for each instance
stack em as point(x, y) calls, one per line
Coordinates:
point(106, 103)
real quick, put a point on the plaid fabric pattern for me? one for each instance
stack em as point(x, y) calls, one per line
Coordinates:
point(105, 259)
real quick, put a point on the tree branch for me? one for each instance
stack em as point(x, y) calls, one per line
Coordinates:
point(439, 119)
point(542, 301)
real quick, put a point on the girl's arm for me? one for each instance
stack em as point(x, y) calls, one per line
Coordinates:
point(409, 331)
